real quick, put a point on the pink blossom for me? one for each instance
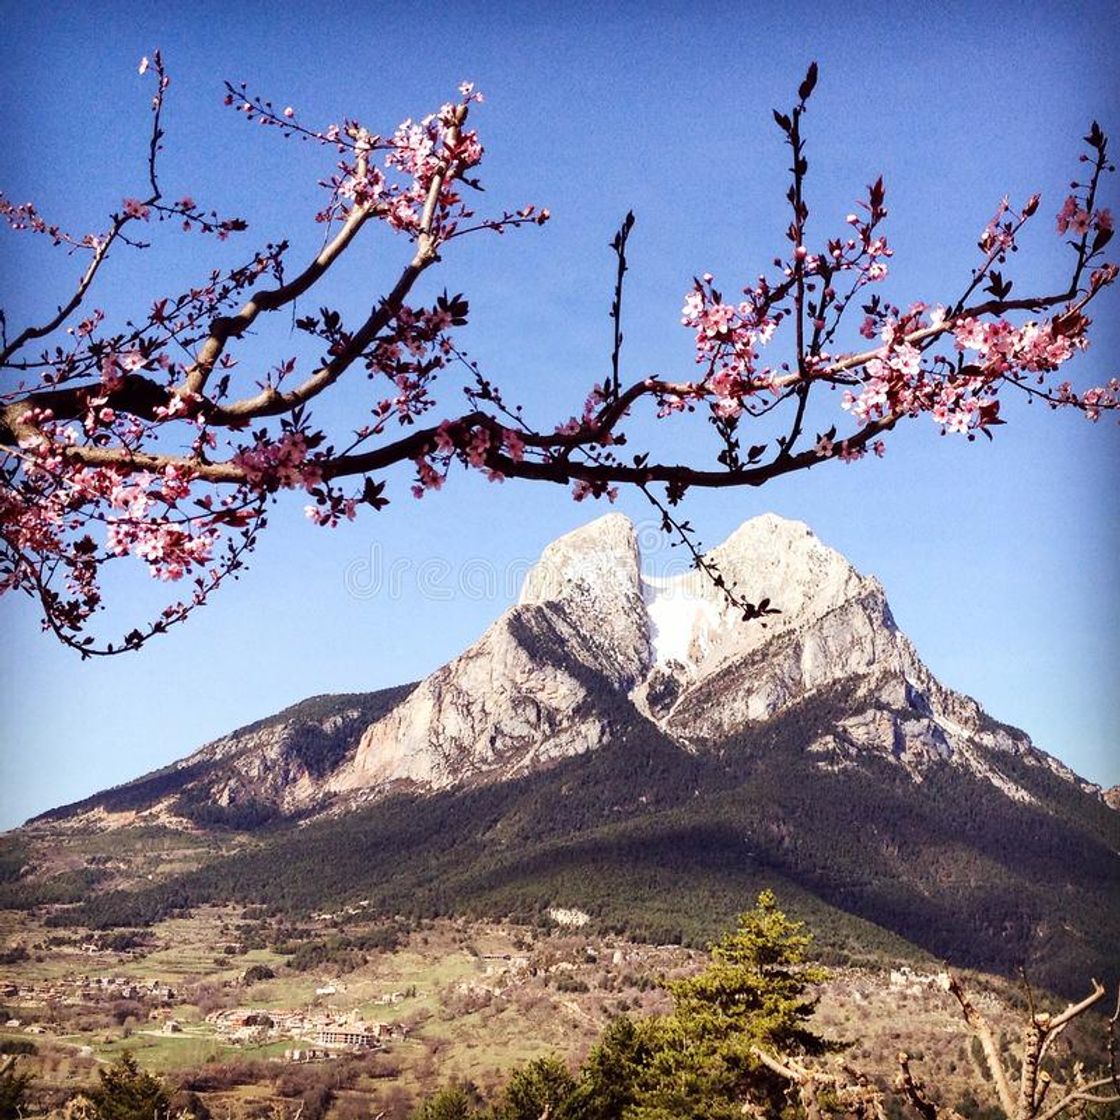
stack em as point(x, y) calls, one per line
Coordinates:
point(278, 463)
point(112, 376)
point(906, 360)
point(1065, 215)
point(134, 208)
point(514, 444)
point(478, 446)
point(958, 422)
point(582, 489)
point(445, 441)
point(428, 477)
point(176, 483)
point(717, 319)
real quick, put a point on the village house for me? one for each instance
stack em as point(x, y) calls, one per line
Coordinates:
point(361, 1036)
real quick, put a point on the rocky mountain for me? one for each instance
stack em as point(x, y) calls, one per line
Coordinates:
point(630, 744)
point(589, 624)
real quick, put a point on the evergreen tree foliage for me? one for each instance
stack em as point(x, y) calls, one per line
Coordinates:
point(610, 1078)
point(701, 1061)
point(453, 1102)
point(127, 1092)
point(543, 1087)
point(754, 990)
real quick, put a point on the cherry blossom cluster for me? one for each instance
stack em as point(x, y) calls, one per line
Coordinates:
point(806, 289)
point(1072, 218)
point(901, 380)
point(278, 463)
point(1092, 401)
point(907, 376)
point(25, 216)
point(142, 514)
point(416, 155)
point(728, 339)
point(472, 445)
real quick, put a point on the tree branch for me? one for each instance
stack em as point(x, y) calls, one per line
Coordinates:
point(983, 1032)
point(270, 402)
point(269, 299)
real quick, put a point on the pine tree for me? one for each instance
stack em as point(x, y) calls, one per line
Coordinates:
point(543, 1088)
point(610, 1079)
point(127, 1092)
point(754, 995)
point(453, 1102)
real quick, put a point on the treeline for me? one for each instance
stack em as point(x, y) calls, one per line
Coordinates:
point(343, 951)
point(65, 888)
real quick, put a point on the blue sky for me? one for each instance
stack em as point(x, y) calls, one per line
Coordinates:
point(999, 560)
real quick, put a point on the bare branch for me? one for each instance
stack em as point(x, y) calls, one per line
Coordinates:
point(270, 299)
point(914, 1089)
point(983, 1032)
point(1076, 1009)
point(270, 402)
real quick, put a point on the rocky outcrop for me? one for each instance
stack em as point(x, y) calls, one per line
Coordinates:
point(526, 693)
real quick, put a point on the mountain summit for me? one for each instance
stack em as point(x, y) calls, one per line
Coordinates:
point(592, 643)
point(590, 630)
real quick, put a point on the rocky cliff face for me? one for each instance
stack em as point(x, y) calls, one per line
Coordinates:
point(716, 675)
point(524, 694)
point(590, 637)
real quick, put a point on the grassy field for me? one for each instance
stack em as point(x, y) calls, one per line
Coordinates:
point(164, 1053)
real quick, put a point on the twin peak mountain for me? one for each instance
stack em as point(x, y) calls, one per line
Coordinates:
point(594, 647)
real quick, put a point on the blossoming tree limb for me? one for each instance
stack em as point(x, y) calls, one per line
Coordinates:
point(147, 441)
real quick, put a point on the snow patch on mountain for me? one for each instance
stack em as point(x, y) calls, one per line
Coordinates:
point(681, 619)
